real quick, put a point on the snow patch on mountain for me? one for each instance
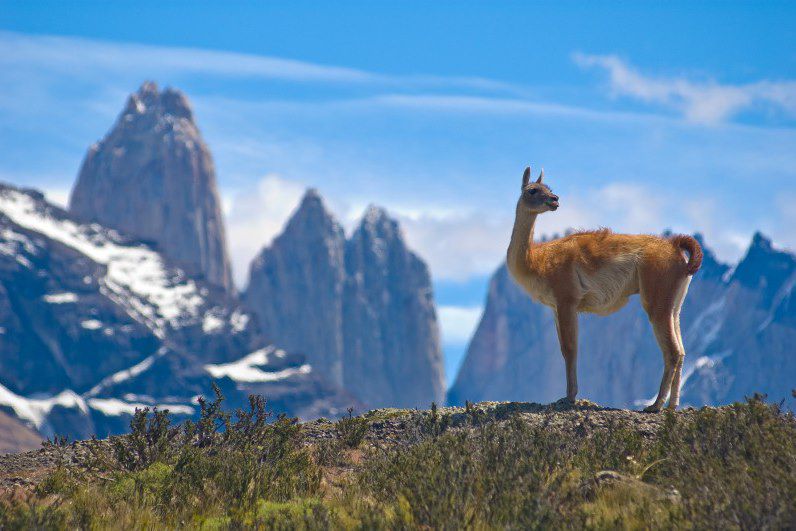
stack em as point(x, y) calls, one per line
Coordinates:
point(60, 298)
point(247, 369)
point(701, 362)
point(212, 322)
point(115, 407)
point(239, 321)
point(126, 374)
point(10, 241)
point(781, 295)
point(707, 325)
point(136, 276)
point(35, 410)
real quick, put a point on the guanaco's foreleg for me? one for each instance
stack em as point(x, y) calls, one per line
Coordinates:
point(567, 326)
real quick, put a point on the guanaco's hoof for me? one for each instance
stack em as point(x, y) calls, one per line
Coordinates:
point(563, 403)
point(652, 409)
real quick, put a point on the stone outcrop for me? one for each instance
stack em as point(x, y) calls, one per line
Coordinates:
point(152, 177)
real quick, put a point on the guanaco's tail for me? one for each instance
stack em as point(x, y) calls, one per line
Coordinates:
point(690, 245)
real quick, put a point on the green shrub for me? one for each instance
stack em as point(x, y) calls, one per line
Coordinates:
point(351, 430)
point(734, 466)
point(223, 464)
point(716, 468)
point(329, 452)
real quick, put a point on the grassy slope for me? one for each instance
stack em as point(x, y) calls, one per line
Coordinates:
point(486, 466)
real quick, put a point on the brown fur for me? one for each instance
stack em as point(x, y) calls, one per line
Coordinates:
point(597, 271)
point(688, 243)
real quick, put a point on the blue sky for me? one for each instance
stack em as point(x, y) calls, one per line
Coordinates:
point(646, 116)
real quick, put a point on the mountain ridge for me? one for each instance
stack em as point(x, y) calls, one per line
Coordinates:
point(337, 292)
point(100, 323)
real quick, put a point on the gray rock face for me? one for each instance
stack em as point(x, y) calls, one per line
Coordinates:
point(153, 177)
point(749, 344)
point(738, 329)
point(296, 286)
point(361, 308)
point(94, 324)
point(392, 354)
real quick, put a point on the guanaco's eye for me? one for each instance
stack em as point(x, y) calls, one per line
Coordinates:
point(532, 191)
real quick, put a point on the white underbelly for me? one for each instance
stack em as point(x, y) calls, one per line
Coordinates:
point(539, 291)
point(602, 292)
point(608, 289)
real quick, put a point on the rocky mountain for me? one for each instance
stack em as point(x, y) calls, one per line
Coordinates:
point(392, 354)
point(152, 177)
point(94, 323)
point(739, 328)
point(296, 286)
point(362, 308)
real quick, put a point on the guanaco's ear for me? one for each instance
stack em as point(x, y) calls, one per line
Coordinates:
point(541, 176)
point(526, 177)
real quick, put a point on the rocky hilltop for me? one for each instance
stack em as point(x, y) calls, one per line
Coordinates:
point(483, 466)
point(152, 177)
point(361, 308)
point(739, 328)
point(95, 323)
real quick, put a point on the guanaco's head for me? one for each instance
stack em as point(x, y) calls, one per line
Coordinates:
point(536, 196)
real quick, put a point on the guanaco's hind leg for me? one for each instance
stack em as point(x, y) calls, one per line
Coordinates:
point(674, 396)
point(663, 327)
point(567, 327)
point(660, 294)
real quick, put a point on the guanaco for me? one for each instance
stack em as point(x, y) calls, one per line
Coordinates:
point(597, 272)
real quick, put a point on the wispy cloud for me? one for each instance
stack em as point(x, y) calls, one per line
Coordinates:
point(73, 55)
point(457, 323)
point(497, 105)
point(706, 102)
point(67, 53)
point(456, 245)
point(58, 196)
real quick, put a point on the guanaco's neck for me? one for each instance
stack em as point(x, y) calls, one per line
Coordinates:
point(520, 247)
